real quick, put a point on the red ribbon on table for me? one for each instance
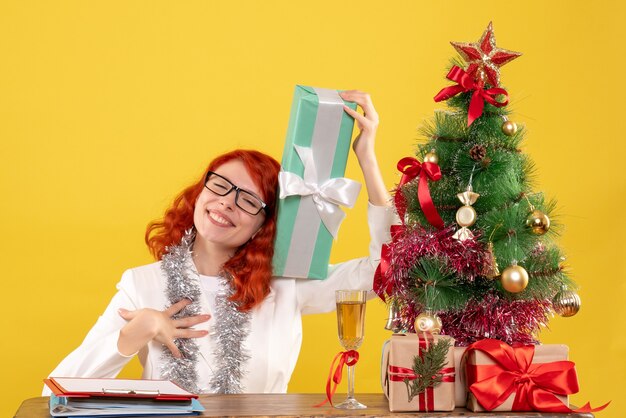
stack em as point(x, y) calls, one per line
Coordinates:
point(465, 82)
point(400, 374)
point(349, 358)
point(411, 168)
point(535, 385)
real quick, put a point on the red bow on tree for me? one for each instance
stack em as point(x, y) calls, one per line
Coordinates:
point(411, 168)
point(383, 283)
point(536, 386)
point(466, 83)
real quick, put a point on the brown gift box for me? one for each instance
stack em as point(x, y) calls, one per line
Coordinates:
point(399, 351)
point(543, 354)
point(460, 389)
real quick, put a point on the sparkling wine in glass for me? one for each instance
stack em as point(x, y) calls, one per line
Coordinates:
point(351, 330)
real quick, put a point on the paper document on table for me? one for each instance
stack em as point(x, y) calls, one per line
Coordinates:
point(65, 407)
point(87, 387)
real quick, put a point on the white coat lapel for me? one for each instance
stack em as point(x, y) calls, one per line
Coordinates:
point(258, 345)
point(205, 348)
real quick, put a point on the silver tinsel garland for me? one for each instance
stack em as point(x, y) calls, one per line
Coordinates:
point(231, 329)
point(182, 283)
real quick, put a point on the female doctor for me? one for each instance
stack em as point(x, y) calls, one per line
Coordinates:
point(228, 326)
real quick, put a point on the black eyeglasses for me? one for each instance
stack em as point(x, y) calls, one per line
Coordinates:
point(245, 200)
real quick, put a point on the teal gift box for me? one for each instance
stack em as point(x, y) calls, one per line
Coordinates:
point(311, 183)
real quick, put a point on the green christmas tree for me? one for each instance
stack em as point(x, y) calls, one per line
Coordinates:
point(475, 255)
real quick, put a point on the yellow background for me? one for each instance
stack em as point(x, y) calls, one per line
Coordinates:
point(108, 109)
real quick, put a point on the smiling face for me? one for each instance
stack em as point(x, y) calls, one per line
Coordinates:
point(220, 224)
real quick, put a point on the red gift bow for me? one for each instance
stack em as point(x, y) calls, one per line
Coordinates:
point(349, 358)
point(400, 374)
point(535, 385)
point(479, 97)
point(383, 284)
point(411, 168)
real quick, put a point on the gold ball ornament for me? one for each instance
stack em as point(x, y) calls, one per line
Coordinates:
point(514, 279)
point(431, 157)
point(428, 322)
point(509, 128)
point(566, 303)
point(466, 216)
point(538, 222)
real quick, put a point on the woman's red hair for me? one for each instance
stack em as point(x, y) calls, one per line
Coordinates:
point(251, 266)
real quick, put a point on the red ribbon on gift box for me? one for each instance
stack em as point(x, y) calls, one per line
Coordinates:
point(410, 169)
point(349, 358)
point(481, 95)
point(400, 374)
point(535, 385)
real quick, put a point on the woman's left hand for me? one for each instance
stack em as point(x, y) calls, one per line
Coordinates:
point(363, 145)
point(367, 123)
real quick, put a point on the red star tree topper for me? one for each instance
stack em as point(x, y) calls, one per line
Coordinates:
point(484, 57)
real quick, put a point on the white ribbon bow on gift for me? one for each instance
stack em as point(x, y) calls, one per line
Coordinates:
point(327, 197)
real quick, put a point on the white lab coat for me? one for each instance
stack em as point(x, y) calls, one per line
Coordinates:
point(275, 334)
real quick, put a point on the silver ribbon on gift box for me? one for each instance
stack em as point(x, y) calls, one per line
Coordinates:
point(320, 194)
point(326, 197)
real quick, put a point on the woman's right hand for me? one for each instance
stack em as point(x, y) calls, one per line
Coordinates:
point(145, 325)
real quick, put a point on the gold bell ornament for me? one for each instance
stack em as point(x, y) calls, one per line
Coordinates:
point(566, 303)
point(395, 322)
point(428, 321)
point(509, 128)
point(466, 214)
point(490, 267)
point(514, 278)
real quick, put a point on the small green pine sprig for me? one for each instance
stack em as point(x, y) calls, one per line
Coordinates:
point(427, 367)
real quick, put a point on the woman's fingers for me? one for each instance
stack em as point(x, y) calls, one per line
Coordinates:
point(363, 144)
point(356, 115)
point(182, 333)
point(190, 321)
point(355, 96)
point(172, 347)
point(126, 314)
point(369, 119)
point(364, 123)
point(362, 99)
point(177, 307)
point(190, 333)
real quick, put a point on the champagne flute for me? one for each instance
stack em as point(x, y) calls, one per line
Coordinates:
point(351, 330)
